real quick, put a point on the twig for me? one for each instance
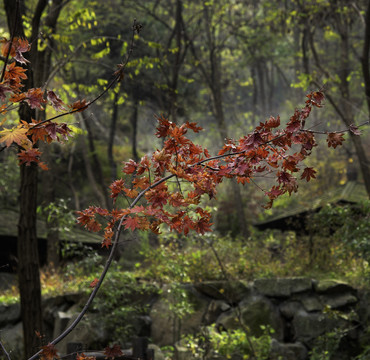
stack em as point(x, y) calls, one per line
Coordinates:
point(4, 351)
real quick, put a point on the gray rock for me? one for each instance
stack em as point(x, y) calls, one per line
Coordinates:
point(214, 310)
point(311, 303)
point(10, 314)
point(229, 291)
point(7, 281)
point(289, 308)
point(252, 313)
point(12, 340)
point(282, 287)
point(331, 286)
point(167, 326)
point(336, 301)
point(308, 326)
point(287, 351)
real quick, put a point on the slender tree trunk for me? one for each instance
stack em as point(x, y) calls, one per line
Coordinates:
point(134, 120)
point(112, 131)
point(348, 117)
point(96, 177)
point(28, 261)
point(27, 244)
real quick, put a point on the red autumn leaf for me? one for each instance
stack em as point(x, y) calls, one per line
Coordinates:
point(308, 174)
point(42, 166)
point(112, 352)
point(35, 98)
point(274, 192)
point(315, 98)
point(29, 156)
point(130, 167)
point(132, 223)
point(284, 177)
point(51, 129)
point(193, 126)
point(163, 127)
point(335, 139)
point(117, 186)
point(252, 141)
point(94, 283)
point(18, 47)
point(15, 74)
point(273, 122)
point(203, 226)
point(131, 193)
point(79, 105)
point(55, 101)
point(49, 352)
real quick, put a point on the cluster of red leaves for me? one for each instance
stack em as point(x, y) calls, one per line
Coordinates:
point(26, 135)
point(269, 150)
point(49, 352)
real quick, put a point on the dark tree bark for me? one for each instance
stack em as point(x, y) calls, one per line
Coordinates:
point(365, 59)
point(27, 243)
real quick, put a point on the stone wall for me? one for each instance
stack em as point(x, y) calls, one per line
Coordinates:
point(298, 309)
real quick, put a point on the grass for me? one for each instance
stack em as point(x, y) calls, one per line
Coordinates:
point(182, 260)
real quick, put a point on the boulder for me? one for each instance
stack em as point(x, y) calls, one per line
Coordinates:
point(289, 308)
point(287, 351)
point(7, 281)
point(214, 310)
point(311, 302)
point(10, 314)
point(12, 340)
point(282, 287)
point(308, 326)
point(168, 324)
point(331, 286)
point(336, 301)
point(253, 312)
point(230, 291)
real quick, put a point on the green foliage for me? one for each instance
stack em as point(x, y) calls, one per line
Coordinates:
point(236, 344)
point(125, 299)
point(347, 229)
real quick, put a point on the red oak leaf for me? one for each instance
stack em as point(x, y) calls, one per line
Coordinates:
point(29, 156)
point(273, 122)
point(35, 98)
point(193, 126)
point(79, 105)
point(116, 187)
point(94, 283)
point(130, 167)
point(112, 352)
point(55, 101)
point(49, 352)
point(15, 73)
point(334, 139)
point(132, 223)
point(308, 174)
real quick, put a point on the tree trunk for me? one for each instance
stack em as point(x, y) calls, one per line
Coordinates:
point(27, 243)
point(112, 131)
point(28, 261)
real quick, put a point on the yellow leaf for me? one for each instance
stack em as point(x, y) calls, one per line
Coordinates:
point(17, 135)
